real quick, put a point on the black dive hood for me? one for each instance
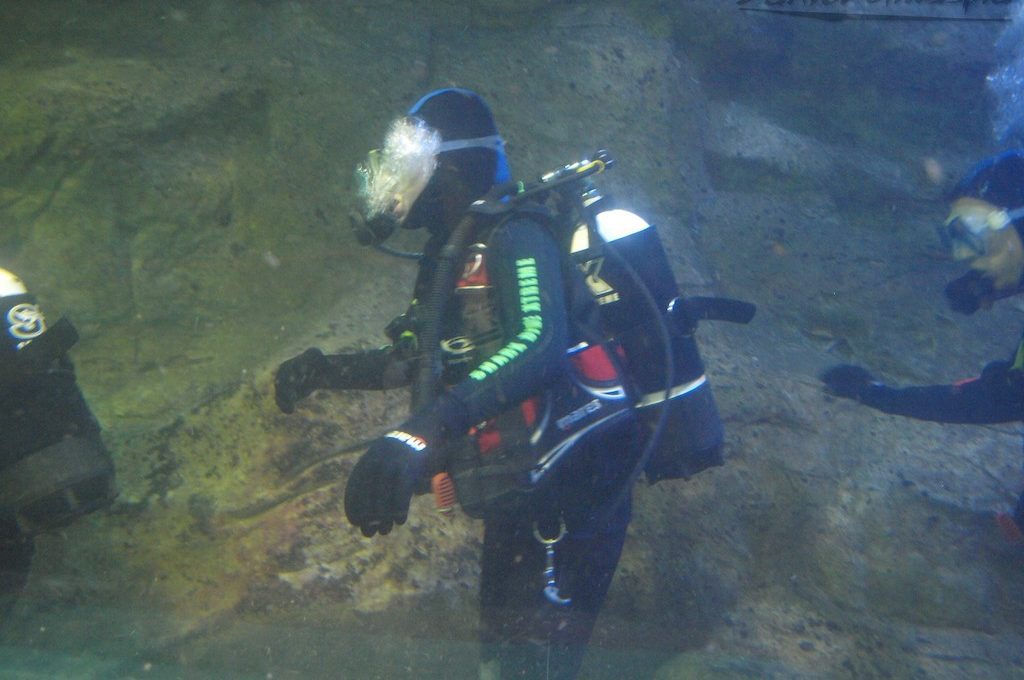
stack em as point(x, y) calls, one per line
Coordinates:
point(398, 184)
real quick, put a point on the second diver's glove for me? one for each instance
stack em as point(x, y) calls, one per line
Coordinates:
point(298, 377)
point(383, 481)
point(970, 292)
point(848, 381)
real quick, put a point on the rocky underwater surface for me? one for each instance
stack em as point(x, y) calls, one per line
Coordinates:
point(175, 177)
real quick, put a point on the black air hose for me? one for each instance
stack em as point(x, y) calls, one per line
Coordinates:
point(428, 370)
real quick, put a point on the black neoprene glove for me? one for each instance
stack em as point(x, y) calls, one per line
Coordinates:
point(848, 381)
point(970, 292)
point(384, 479)
point(298, 377)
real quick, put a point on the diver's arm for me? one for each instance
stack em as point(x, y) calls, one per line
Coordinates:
point(375, 369)
point(378, 369)
point(996, 396)
point(525, 268)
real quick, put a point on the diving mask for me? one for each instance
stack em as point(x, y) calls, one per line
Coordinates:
point(971, 224)
point(393, 177)
point(978, 231)
point(391, 180)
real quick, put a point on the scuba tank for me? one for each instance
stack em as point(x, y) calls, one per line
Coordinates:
point(628, 273)
point(53, 464)
point(692, 435)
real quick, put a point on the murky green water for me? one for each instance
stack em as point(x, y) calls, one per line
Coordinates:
point(175, 178)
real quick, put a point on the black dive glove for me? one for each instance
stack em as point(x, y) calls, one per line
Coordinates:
point(848, 381)
point(383, 481)
point(298, 377)
point(970, 292)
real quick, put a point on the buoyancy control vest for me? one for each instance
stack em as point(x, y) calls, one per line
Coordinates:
point(506, 459)
point(645, 363)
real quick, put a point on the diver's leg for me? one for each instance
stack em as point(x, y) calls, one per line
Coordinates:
point(511, 591)
point(586, 565)
point(525, 635)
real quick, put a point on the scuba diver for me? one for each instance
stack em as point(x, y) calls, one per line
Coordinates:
point(54, 467)
point(986, 228)
point(523, 410)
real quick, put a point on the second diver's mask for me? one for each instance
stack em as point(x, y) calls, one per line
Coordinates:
point(984, 234)
point(393, 177)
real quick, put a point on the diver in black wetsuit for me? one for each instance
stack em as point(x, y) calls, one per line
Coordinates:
point(515, 310)
point(53, 464)
point(986, 227)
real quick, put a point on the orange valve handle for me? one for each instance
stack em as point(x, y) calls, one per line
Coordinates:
point(444, 492)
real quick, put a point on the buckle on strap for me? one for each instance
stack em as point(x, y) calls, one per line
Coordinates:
point(551, 593)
